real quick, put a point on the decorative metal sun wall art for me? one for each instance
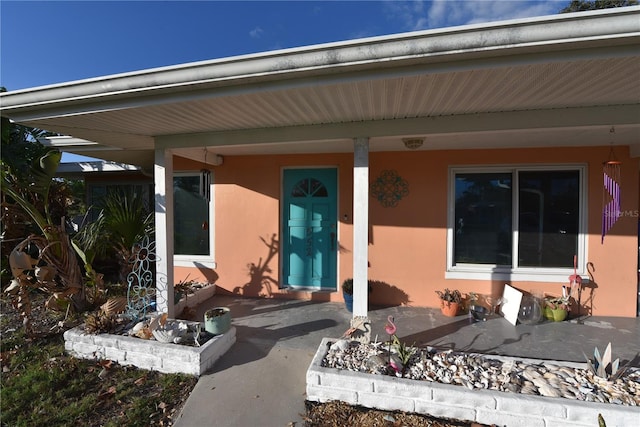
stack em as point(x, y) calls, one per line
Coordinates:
point(389, 188)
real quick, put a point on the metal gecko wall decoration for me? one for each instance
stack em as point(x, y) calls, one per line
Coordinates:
point(389, 188)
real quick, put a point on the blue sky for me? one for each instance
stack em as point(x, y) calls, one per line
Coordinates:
point(54, 41)
point(47, 42)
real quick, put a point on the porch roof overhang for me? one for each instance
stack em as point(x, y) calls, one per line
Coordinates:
point(561, 80)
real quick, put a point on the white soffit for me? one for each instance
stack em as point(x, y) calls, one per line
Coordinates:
point(550, 67)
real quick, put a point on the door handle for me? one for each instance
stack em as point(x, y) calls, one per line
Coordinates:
point(333, 241)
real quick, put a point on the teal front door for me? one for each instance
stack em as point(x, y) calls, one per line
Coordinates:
point(309, 249)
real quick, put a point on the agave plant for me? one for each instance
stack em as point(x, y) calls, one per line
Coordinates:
point(603, 367)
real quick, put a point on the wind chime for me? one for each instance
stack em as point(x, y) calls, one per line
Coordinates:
point(611, 191)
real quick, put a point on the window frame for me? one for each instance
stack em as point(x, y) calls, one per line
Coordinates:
point(186, 260)
point(515, 273)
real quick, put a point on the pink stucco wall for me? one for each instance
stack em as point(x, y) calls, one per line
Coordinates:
point(407, 250)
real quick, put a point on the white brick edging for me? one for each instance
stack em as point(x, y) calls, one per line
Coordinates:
point(195, 299)
point(457, 402)
point(148, 354)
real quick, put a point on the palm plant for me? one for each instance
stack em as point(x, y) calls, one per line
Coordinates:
point(29, 188)
point(126, 221)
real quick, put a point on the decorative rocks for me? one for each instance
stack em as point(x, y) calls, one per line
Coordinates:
point(520, 404)
point(475, 371)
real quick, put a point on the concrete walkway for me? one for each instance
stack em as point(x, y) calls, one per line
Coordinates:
point(261, 380)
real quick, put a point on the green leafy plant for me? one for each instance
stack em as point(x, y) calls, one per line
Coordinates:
point(183, 287)
point(450, 296)
point(405, 352)
point(555, 303)
point(347, 286)
point(52, 250)
point(126, 221)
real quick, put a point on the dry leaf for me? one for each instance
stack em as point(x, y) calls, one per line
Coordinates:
point(140, 381)
point(107, 393)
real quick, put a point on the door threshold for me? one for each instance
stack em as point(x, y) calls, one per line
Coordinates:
point(308, 289)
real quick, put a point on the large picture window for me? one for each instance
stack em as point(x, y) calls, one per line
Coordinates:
point(516, 219)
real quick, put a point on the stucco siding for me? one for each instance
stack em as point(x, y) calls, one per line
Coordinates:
point(408, 243)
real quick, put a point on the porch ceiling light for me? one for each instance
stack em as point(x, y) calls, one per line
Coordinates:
point(413, 143)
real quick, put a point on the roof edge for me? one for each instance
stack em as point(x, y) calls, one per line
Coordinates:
point(483, 39)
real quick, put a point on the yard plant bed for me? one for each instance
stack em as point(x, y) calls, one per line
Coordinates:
point(338, 414)
point(41, 385)
point(357, 375)
point(475, 371)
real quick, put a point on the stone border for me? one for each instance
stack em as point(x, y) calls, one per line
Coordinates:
point(195, 299)
point(148, 354)
point(457, 402)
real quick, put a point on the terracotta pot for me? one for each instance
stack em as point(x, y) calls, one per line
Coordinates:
point(449, 308)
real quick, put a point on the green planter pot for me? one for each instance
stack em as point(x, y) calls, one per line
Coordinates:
point(217, 320)
point(555, 315)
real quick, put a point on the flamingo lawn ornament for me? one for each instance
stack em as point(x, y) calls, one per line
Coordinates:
point(390, 328)
point(575, 280)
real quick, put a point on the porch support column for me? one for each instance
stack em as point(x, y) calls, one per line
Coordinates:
point(360, 226)
point(163, 178)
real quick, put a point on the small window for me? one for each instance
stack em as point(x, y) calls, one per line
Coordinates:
point(516, 220)
point(191, 216)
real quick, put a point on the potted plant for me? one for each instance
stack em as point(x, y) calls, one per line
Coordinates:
point(181, 289)
point(450, 301)
point(217, 320)
point(347, 292)
point(556, 308)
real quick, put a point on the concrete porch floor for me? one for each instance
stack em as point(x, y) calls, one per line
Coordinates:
point(260, 381)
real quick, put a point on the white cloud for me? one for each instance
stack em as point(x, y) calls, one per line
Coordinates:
point(256, 33)
point(412, 14)
point(420, 15)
